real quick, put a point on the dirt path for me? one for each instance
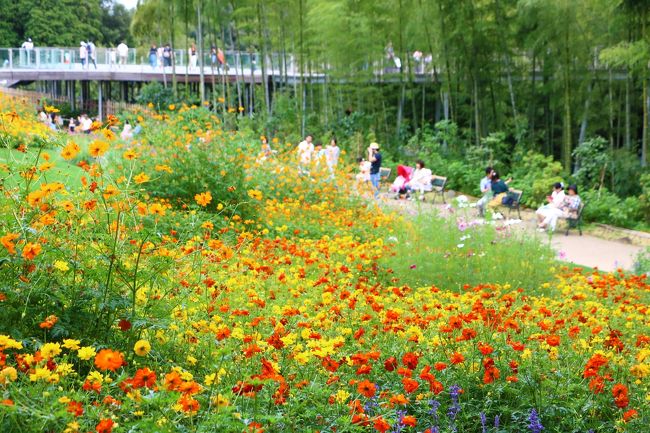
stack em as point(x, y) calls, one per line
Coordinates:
point(585, 250)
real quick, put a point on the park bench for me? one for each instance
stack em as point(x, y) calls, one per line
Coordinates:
point(514, 201)
point(438, 187)
point(576, 221)
point(384, 174)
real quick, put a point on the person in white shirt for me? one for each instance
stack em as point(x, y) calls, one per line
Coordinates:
point(332, 153)
point(420, 180)
point(554, 200)
point(83, 54)
point(486, 190)
point(193, 56)
point(122, 52)
point(92, 54)
point(305, 153)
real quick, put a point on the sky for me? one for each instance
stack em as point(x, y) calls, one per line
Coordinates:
point(128, 3)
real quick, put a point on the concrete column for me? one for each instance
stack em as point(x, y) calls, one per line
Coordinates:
point(100, 102)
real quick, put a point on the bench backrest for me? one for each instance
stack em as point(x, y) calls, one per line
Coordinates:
point(438, 181)
point(516, 195)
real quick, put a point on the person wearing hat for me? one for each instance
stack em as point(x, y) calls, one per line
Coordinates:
point(374, 156)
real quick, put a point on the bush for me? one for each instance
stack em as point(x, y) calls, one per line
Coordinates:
point(154, 93)
point(606, 207)
point(535, 175)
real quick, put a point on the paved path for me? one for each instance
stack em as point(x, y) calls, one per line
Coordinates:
point(585, 250)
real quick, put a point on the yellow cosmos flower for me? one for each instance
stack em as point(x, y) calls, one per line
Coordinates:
point(61, 266)
point(204, 198)
point(141, 178)
point(86, 353)
point(130, 154)
point(50, 350)
point(255, 194)
point(142, 347)
point(71, 344)
point(40, 374)
point(8, 374)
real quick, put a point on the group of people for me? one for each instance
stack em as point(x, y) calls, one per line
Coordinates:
point(312, 155)
point(160, 57)
point(559, 204)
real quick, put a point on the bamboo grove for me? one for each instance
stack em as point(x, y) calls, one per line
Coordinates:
point(548, 73)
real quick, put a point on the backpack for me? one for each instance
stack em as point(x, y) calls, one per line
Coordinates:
point(507, 200)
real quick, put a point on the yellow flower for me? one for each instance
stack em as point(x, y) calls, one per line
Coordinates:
point(8, 374)
point(220, 401)
point(142, 348)
point(141, 178)
point(172, 107)
point(130, 154)
point(86, 353)
point(7, 342)
point(61, 266)
point(50, 350)
point(255, 194)
point(71, 344)
point(40, 374)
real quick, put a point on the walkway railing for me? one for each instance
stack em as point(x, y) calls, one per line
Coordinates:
point(56, 58)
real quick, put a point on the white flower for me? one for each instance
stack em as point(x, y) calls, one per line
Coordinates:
point(460, 245)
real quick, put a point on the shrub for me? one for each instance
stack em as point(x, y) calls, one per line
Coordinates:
point(535, 175)
point(154, 93)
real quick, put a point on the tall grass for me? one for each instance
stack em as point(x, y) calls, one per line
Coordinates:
point(452, 251)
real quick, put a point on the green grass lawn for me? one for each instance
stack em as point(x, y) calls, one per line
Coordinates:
point(62, 171)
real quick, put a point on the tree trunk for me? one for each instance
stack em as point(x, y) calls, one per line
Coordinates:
point(628, 138)
point(262, 44)
point(199, 29)
point(644, 136)
point(610, 95)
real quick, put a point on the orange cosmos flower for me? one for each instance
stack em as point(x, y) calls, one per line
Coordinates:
point(409, 420)
point(144, 377)
point(97, 148)
point(30, 251)
point(8, 242)
point(553, 340)
point(105, 426)
point(381, 425)
point(108, 359)
point(204, 198)
point(457, 358)
point(410, 385)
point(366, 388)
point(49, 322)
point(629, 415)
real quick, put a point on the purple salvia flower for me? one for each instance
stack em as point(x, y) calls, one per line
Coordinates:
point(483, 422)
point(496, 421)
point(535, 425)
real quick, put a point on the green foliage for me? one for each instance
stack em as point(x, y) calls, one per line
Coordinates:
point(535, 175)
point(154, 93)
point(606, 207)
point(642, 262)
point(592, 159)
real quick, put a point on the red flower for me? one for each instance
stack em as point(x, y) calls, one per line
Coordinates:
point(381, 425)
point(390, 364)
point(440, 366)
point(629, 415)
point(485, 349)
point(105, 426)
point(553, 340)
point(410, 360)
point(366, 388)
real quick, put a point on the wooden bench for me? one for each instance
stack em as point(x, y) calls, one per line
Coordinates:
point(438, 187)
point(575, 222)
point(514, 203)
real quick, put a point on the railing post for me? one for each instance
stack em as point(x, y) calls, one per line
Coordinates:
point(38, 57)
point(11, 58)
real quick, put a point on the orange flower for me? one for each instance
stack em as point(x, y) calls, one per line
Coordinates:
point(366, 388)
point(629, 415)
point(553, 340)
point(97, 148)
point(144, 377)
point(409, 420)
point(410, 360)
point(30, 251)
point(457, 358)
point(204, 198)
point(49, 322)
point(8, 242)
point(108, 359)
point(381, 425)
point(410, 385)
point(105, 426)
point(141, 178)
point(75, 408)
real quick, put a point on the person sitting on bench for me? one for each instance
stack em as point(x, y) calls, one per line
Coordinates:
point(420, 180)
point(568, 209)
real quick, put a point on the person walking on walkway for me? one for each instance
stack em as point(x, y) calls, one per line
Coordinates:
point(122, 52)
point(374, 156)
point(193, 56)
point(153, 56)
point(28, 47)
point(83, 54)
point(167, 56)
point(92, 54)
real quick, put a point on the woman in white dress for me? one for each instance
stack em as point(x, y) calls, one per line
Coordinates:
point(554, 201)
